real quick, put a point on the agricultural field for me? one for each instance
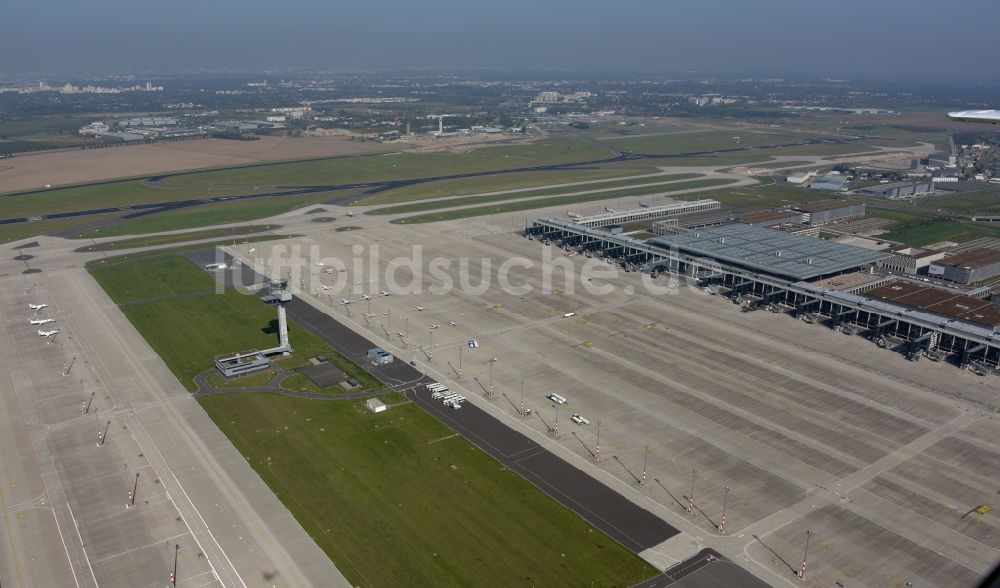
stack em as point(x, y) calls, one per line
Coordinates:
point(397, 499)
point(174, 304)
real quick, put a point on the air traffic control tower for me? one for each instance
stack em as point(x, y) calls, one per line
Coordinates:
point(278, 295)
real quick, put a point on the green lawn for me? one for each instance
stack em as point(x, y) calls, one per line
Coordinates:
point(210, 214)
point(177, 238)
point(395, 166)
point(174, 305)
point(985, 200)
point(395, 499)
point(685, 142)
point(433, 205)
point(768, 195)
point(926, 232)
point(248, 381)
point(510, 181)
point(558, 201)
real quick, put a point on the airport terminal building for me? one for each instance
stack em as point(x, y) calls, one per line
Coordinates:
point(766, 268)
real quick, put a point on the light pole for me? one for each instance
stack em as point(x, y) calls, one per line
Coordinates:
point(556, 432)
point(725, 501)
point(691, 496)
point(802, 572)
point(459, 362)
point(645, 454)
point(597, 454)
point(493, 360)
point(431, 333)
point(522, 397)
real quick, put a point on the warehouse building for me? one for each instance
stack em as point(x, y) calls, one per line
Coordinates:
point(830, 183)
point(899, 190)
point(969, 267)
point(823, 212)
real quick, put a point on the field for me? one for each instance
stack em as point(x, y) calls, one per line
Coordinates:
point(606, 185)
point(397, 499)
point(985, 200)
point(174, 305)
point(927, 232)
point(706, 141)
point(32, 172)
point(765, 195)
point(557, 201)
point(396, 166)
point(209, 214)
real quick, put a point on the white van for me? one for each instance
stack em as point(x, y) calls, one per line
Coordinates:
point(556, 398)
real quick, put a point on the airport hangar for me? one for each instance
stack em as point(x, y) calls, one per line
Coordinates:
point(776, 267)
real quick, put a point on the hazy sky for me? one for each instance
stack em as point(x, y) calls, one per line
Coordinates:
point(873, 37)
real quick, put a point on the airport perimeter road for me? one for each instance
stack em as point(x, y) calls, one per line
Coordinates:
point(64, 490)
point(632, 526)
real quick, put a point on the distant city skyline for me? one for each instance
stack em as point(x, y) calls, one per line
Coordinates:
point(889, 39)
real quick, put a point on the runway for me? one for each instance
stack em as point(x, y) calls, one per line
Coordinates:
point(76, 445)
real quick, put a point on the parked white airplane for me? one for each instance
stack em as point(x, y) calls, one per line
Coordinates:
point(606, 209)
point(418, 308)
point(452, 323)
point(324, 287)
point(320, 263)
point(435, 326)
point(41, 321)
point(48, 333)
point(384, 293)
point(366, 297)
point(346, 301)
point(572, 214)
point(37, 306)
point(981, 116)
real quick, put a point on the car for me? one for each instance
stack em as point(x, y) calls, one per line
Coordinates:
point(413, 363)
point(556, 398)
point(580, 420)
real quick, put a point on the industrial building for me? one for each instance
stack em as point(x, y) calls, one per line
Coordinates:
point(898, 190)
point(969, 267)
point(237, 364)
point(805, 277)
point(909, 260)
point(822, 212)
point(828, 183)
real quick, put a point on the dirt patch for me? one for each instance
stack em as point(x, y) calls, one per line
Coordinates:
point(34, 171)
